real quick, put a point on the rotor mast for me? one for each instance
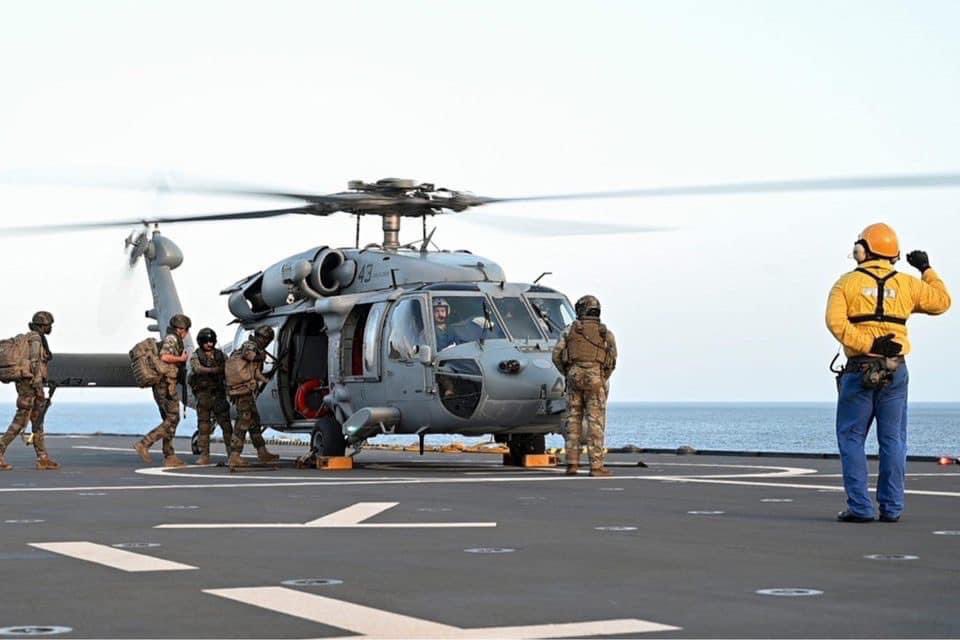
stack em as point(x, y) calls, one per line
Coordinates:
point(391, 231)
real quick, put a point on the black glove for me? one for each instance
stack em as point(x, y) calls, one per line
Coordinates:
point(885, 346)
point(919, 260)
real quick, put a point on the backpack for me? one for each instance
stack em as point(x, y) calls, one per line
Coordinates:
point(145, 363)
point(15, 358)
point(239, 374)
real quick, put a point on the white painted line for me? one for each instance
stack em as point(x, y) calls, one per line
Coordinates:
point(354, 514)
point(111, 557)
point(571, 630)
point(352, 517)
point(784, 485)
point(377, 623)
point(337, 613)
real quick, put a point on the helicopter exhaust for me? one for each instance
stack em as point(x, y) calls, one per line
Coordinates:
point(313, 274)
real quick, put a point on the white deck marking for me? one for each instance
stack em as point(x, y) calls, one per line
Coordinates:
point(377, 623)
point(743, 479)
point(352, 517)
point(111, 557)
point(354, 514)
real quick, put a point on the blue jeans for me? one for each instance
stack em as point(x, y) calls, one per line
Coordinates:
point(856, 410)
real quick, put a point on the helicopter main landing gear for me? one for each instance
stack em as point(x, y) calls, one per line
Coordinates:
point(327, 444)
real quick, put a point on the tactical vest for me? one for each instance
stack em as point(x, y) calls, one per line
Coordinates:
point(878, 315)
point(207, 381)
point(587, 343)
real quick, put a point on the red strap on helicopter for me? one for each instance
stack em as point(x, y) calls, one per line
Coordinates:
point(301, 401)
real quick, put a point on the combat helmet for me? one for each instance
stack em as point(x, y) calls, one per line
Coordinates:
point(42, 320)
point(206, 335)
point(180, 321)
point(588, 306)
point(263, 335)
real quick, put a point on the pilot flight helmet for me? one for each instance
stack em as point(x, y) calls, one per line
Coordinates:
point(207, 335)
point(41, 321)
point(441, 303)
point(180, 321)
point(588, 306)
point(880, 240)
point(263, 335)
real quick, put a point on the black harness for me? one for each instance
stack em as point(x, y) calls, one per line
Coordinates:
point(878, 315)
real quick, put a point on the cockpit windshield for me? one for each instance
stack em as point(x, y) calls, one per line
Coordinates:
point(463, 319)
point(554, 314)
point(517, 318)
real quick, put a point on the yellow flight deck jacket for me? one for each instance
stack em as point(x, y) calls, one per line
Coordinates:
point(854, 317)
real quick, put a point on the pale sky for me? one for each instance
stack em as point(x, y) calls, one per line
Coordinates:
point(500, 98)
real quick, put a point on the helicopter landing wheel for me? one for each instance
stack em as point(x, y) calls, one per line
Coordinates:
point(327, 439)
point(521, 445)
point(195, 443)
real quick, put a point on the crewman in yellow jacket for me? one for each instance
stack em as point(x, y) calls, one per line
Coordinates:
point(867, 312)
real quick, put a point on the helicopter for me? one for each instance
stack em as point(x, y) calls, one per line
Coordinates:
point(390, 338)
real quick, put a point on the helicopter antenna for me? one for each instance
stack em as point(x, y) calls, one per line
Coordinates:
point(542, 276)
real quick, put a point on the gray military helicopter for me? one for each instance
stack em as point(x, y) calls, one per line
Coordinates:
point(390, 338)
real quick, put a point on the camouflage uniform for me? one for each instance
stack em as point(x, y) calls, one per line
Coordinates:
point(165, 395)
point(206, 380)
point(245, 401)
point(31, 402)
point(586, 354)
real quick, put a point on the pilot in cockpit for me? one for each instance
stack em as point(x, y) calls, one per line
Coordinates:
point(441, 316)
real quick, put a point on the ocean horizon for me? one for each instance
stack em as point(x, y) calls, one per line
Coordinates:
point(806, 427)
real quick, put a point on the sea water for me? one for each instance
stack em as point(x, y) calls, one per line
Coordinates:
point(934, 428)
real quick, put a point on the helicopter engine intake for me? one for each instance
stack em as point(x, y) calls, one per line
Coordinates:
point(313, 274)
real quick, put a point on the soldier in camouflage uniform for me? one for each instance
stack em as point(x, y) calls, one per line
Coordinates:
point(32, 404)
point(206, 381)
point(174, 358)
point(244, 400)
point(586, 354)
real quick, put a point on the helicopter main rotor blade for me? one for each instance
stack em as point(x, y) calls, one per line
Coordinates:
point(85, 226)
point(918, 181)
point(548, 228)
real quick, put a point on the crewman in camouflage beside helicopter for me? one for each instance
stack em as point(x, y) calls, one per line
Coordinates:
point(173, 358)
point(32, 404)
point(244, 375)
point(207, 382)
point(586, 354)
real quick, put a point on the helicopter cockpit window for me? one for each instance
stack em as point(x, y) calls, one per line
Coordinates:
point(406, 330)
point(463, 319)
point(553, 314)
point(517, 318)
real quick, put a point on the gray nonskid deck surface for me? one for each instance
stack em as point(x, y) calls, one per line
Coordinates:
point(699, 572)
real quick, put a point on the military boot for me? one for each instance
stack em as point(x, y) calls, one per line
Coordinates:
point(236, 461)
point(144, 450)
point(600, 471)
point(266, 456)
point(572, 469)
point(3, 463)
point(44, 463)
point(173, 461)
point(203, 459)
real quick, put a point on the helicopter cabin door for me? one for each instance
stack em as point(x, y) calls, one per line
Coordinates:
point(408, 374)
